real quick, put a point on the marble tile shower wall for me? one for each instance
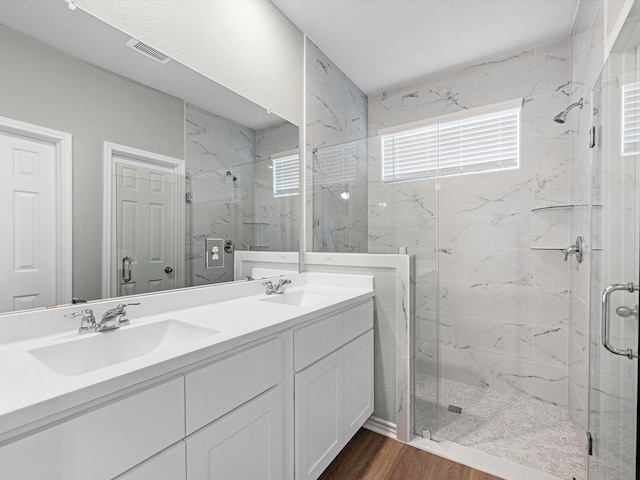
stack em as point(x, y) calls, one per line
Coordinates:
point(336, 115)
point(215, 146)
point(232, 185)
point(587, 60)
point(503, 306)
point(274, 219)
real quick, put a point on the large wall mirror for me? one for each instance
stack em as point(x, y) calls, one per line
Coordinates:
point(140, 173)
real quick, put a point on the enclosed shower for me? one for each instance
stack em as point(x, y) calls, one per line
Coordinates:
point(510, 263)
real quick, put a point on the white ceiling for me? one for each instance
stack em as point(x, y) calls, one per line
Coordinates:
point(381, 44)
point(83, 36)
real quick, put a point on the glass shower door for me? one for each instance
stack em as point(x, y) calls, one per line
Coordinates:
point(613, 349)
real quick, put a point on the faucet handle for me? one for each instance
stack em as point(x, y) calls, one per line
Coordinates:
point(120, 310)
point(87, 322)
point(271, 289)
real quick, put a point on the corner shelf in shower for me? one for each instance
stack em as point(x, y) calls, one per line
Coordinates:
point(556, 208)
point(255, 223)
point(561, 207)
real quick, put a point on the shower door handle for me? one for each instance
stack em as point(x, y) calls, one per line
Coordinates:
point(606, 330)
point(126, 264)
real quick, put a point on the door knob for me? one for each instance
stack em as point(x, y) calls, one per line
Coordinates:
point(168, 270)
point(625, 312)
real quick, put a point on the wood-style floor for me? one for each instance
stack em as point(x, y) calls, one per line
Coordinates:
point(372, 456)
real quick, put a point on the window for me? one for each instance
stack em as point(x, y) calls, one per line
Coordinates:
point(455, 144)
point(630, 119)
point(286, 175)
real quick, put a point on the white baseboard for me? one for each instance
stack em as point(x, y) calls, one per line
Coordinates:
point(383, 427)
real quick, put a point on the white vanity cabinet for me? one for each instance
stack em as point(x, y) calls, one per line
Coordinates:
point(241, 396)
point(279, 407)
point(101, 443)
point(333, 359)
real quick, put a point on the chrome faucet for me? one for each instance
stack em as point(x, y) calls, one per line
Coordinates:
point(276, 289)
point(114, 318)
point(87, 322)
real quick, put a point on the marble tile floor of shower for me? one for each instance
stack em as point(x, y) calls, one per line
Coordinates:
point(522, 430)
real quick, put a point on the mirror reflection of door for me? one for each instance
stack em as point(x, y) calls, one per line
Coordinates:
point(27, 175)
point(148, 224)
point(34, 271)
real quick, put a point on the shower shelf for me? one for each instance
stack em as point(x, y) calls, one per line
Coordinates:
point(255, 223)
point(561, 207)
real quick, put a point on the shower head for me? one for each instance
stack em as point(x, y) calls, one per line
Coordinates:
point(562, 116)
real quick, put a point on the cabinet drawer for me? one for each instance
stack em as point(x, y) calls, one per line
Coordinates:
point(103, 443)
point(219, 388)
point(312, 342)
point(358, 320)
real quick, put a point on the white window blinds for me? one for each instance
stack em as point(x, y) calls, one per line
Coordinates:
point(473, 144)
point(286, 175)
point(631, 119)
point(335, 165)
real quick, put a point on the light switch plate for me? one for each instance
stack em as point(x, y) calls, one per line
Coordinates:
point(214, 252)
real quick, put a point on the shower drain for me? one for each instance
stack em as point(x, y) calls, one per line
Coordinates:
point(455, 409)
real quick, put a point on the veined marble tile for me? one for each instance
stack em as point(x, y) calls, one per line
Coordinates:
point(587, 44)
point(550, 228)
point(515, 303)
point(550, 345)
point(549, 269)
point(577, 411)
point(543, 382)
point(472, 368)
point(336, 107)
point(513, 340)
point(578, 378)
point(502, 266)
point(554, 307)
point(534, 77)
point(579, 323)
point(551, 47)
point(459, 298)
point(428, 99)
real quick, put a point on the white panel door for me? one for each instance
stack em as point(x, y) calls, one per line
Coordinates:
point(246, 444)
point(318, 416)
point(28, 218)
point(146, 202)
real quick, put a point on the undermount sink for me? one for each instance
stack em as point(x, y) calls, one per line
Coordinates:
point(86, 353)
point(300, 298)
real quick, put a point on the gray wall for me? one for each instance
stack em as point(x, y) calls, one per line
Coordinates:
point(43, 86)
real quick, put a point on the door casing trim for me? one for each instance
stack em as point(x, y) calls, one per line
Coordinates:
point(109, 279)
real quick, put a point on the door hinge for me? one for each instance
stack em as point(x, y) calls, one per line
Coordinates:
point(589, 443)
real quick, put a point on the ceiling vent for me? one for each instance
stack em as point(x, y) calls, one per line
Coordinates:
point(148, 51)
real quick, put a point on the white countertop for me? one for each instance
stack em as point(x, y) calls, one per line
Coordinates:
point(33, 394)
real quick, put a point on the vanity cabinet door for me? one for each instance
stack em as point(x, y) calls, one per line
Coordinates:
point(245, 444)
point(318, 416)
point(358, 383)
point(167, 465)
